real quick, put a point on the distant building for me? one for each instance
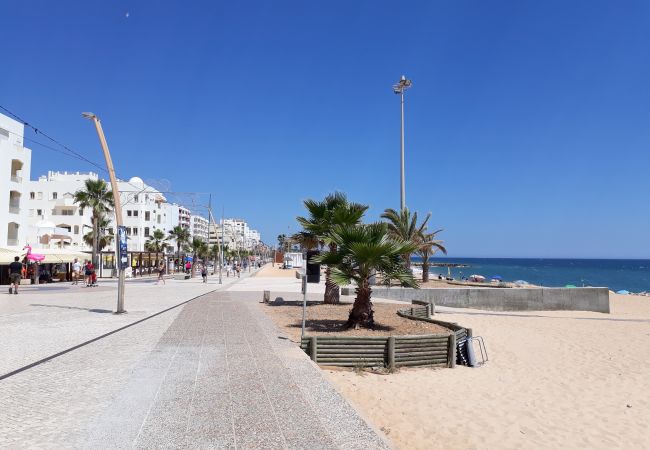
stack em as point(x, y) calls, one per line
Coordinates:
point(199, 227)
point(15, 164)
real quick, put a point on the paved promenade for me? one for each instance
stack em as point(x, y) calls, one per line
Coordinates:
point(213, 373)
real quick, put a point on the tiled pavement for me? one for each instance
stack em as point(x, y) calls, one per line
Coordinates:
point(214, 374)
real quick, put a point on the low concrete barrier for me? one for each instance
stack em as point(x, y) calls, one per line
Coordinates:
point(494, 299)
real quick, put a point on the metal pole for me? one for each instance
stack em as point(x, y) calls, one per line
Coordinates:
point(402, 188)
point(118, 210)
point(221, 246)
point(304, 304)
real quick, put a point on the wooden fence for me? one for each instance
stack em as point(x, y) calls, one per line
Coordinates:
point(436, 350)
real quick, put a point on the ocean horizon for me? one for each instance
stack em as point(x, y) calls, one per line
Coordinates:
point(616, 274)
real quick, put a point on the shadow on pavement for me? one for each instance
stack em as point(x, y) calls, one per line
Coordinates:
point(93, 310)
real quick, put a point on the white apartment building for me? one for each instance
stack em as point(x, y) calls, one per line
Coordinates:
point(51, 210)
point(15, 165)
point(199, 227)
point(143, 212)
point(51, 203)
point(236, 234)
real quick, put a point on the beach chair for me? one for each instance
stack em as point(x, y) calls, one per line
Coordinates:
point(465, 351)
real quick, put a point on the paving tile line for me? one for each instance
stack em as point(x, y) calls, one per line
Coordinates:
point(225, 343)
point(105, 335)
point(163, 378)
point(198, 370)
point(266, 392)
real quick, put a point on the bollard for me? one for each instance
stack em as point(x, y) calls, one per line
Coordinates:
point(266, 297)
point(313, 348)
point(391, 352)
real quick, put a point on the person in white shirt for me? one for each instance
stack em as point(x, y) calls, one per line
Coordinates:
point(76, 270)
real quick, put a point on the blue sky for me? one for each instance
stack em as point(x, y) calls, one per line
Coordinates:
point(528, 124)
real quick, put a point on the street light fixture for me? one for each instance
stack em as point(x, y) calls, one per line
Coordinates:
point(118, 206)
point(399, 89)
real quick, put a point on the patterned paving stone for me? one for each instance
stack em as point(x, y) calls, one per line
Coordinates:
point(212, 374)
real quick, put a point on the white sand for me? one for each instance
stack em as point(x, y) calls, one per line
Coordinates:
point(554, 380)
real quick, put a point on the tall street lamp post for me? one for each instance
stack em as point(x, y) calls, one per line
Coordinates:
point(118, 206)
point(399, 89)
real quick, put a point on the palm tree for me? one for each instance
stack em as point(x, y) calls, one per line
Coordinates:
point(214, 250)
point(324, 216)
point(157, 242)
point(360, 251)
point(427, 247)
point(104, 239)
point(96, 196)
point(282, 240)
point(306, 240)
point(404, 225)
point(198, 246)
point(181, 236)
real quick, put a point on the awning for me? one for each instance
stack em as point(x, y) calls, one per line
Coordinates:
point(60, 255)
point(52, 255)
point(7, 255)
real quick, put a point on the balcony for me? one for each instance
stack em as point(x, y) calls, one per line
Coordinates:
point(12, 242)
point(14, 208)
point(16, 179)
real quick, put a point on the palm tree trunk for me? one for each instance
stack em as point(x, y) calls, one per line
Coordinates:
point(178, 255)
point(332, 293)
point(95, 240)
point(193, 262)
point(361, 314)
point(425, 268)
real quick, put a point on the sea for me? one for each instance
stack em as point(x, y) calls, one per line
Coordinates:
point(616, 274)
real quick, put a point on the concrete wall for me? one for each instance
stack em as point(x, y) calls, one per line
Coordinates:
point(512, 299)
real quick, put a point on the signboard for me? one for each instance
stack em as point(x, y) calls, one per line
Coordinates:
point(122, 257)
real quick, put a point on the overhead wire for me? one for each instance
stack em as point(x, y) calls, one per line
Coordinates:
point(74, 154)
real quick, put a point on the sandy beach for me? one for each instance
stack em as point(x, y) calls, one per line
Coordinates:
point(554, 380)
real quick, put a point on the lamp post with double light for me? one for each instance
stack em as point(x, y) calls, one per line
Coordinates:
point(399, 89)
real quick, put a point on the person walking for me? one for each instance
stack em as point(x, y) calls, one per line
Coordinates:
point(161, 273)
point(15, 269)
point(204, 273)
point(76, 271)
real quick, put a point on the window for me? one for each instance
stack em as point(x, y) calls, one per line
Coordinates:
point(135, 231)
point(135, 198)
point(81, 211)
point(158, 218)
point(128, 231)
point(32, 195)
point(39, 196)
point(4, 133)
point(76, 229)
point(128, 212)
point(55, 195)
point(135, 213)
point(110, 231)
point(39, 212)
point(147, 215)
point(146, 231)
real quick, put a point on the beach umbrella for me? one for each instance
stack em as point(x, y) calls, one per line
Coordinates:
point(497, 277)
point(570, 286)
point(521, 282)
point(623, 292)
